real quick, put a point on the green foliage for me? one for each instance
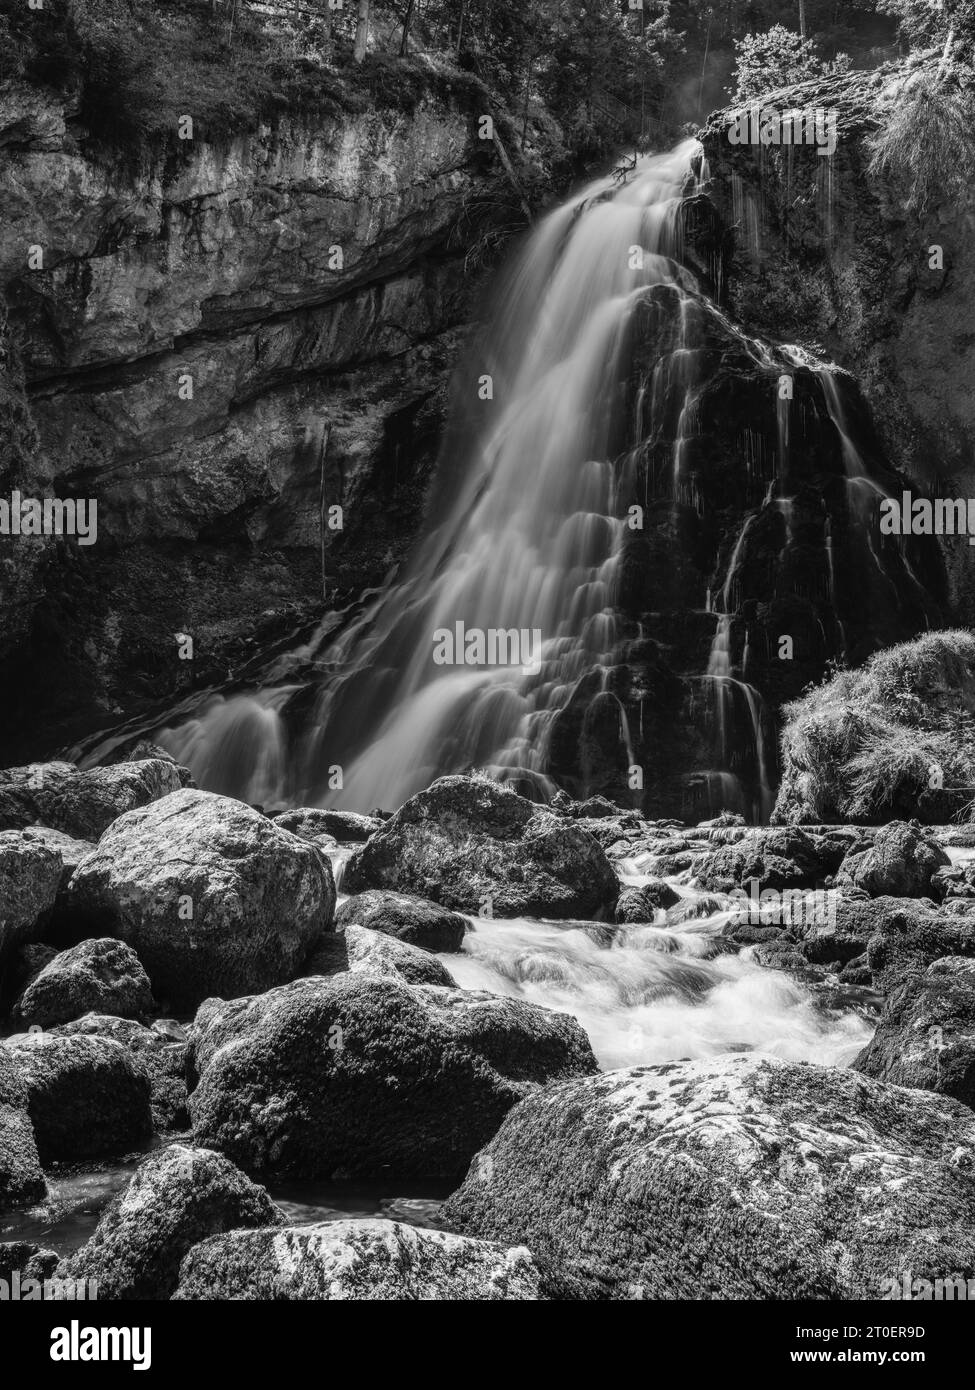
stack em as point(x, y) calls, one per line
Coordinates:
point(779, 58)
point(876, 742)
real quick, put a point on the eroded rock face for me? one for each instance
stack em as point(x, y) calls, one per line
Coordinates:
point(21, 1179)
point(901, 862)
point(30, 876)
point(83, 803)
point(926, 1035)
point(211, 895)
point(356, 1260)
point(177, 1197)
point(735, 1177)
point(857, 276)
point(416, 921)
point(85, 1096)
point(466, 841)
point(355, 1075)
point(100, 976)
point(222, 267)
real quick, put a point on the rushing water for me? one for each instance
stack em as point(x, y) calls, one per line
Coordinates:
point(528, 539)
point(644, 994)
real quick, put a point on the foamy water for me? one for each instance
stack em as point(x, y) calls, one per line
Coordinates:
point(657, 993)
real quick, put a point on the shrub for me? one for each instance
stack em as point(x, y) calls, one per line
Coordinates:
point(896, 737)
point(923, 145)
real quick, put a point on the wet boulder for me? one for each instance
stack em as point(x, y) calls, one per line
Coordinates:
point(910, 936)
point(83, 803)
point(358, 948)
point(417, 921)
point(475, 845)
point(21, 1178)
point(157, 1052)
point(361, 1260)
point(777, 859)
point(737, 1177)
point(30, 875)
point(85, 1096)
point(177, 1197)
point(901, 863)
point(355, 1075)
point(99, 976)
point(313, 823)
point(926, 1034)
point(642, 904)
point(210, 894)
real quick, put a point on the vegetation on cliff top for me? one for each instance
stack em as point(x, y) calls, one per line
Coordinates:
point(894, 738)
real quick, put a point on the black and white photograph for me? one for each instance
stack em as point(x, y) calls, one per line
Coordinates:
point(487, 671)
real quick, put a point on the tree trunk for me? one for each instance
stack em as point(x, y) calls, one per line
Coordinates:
point(802, 18)
point(945, 65)
point(460, 24)
point(406, 28)
point(361, 31)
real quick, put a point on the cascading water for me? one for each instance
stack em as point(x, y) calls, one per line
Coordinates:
point(618, 441)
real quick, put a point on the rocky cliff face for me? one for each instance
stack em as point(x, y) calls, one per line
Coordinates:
point(827, 253)
point(218, 347)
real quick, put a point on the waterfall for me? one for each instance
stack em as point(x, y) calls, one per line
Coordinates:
point(613, 429)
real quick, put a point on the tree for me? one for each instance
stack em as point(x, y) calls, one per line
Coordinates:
point(927, 22)
point(361, 31)
point(407, 21)
point(779, 58)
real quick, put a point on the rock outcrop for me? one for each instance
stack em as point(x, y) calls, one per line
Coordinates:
point(355, 1075)
point(476, 846)
point(735, 1177)
point(213, 897)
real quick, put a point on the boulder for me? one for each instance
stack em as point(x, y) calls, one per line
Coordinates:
point(30, 875)
point(785, 858)
point(356, 1260)
point(910, 936)
point(21, 1179)
point(211, 895)
point(355, 1075)
point(312, 823)
point(414, 920)
point(358, 948)
point(85, 1096)
point(178, 1196)
point(901, 863)
point(472, 844)
point(28, 1260)
point(926, 1034)
point(80, 803)
point(159, 1056)
point(642, 904)
point(735, 1177)
point(100, 976)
